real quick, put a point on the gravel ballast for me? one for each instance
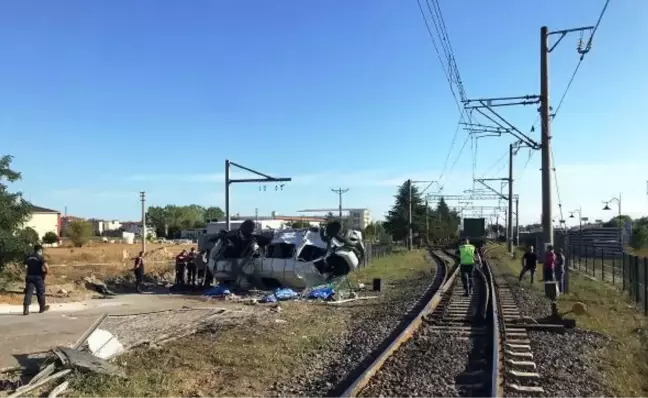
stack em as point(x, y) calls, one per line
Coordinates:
point(370, 324)
point(566, 362)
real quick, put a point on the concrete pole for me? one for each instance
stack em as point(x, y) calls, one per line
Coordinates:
point(517, 222)
point(410, 240)
point(227, 195)
point(509, 229)
point(143, 230)
point(547, 226)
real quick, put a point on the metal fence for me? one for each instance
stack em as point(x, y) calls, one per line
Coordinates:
point(624, 270)
point(375, 251)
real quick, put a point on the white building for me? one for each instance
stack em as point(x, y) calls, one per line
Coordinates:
point(44, 220)
point(136, 228)
point(102, 226)
point(359, 219)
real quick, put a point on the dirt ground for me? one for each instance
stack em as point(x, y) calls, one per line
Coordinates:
point(248, 358)
point(70, 267)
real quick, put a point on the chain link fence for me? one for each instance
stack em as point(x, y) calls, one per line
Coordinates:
point(374, 252)
point(624, 270)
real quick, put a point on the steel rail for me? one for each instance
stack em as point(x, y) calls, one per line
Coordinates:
point(497, 364)
point(447, 282)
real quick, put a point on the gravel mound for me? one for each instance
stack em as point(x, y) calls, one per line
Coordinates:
point(370, 325)
point(566, 362)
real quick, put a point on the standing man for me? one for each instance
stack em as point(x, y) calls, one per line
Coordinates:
point(191, 267)
point(549, 264)
point(138, 269)
point(559, 270)
point(181, 264)
point(37, 268)
point(529, 263)
point(209, 277)
point(467, 254)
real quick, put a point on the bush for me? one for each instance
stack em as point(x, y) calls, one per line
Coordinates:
point(50, 238)
point(639, 237)
point(79, 232)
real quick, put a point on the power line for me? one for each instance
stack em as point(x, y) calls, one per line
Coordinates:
point(449, 67)
point(557, 186)
point(504, 155)
point(584, 52)
point(588, 46)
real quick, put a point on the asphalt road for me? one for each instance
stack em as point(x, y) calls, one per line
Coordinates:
point(22, 335)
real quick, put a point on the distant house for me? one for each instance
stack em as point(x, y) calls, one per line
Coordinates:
point(100, 227)
point(43, 220)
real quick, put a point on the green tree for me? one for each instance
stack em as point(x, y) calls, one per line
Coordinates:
point(397, 220)
point(299, 224)
point(618, 221)
point(375, 231)
point(14, 212)
point(213, 213)
point(79, 232)
point(50, 238)
point(639, 237)
point(171, 217)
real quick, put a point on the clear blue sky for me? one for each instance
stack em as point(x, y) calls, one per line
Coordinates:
point(102, 99)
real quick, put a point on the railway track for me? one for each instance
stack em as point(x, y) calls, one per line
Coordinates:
point(519, 376)
point(448, 349)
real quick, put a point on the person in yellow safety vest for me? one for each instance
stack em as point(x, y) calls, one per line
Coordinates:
point(467, 256)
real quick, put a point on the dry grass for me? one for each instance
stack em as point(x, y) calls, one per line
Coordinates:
point(108, 253)
point(610, 312)
point(244, 360)
point(68, 267)
point(238, 361)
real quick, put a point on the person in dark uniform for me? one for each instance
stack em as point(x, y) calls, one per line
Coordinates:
point(181, 264)
point(191, 267)
point(138, 269)
point(37, 268)
point(529, 263)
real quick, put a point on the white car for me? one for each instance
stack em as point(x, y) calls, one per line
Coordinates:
point(296, 259)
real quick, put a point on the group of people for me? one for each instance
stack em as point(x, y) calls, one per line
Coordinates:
point(553, 266)
point(191, 268)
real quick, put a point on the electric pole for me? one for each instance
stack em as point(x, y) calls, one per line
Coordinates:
point(517, 222)
point(340, 192)
point(545, 142)
point(410, 234)
point(143, 231)
point(228, 181)
point(427, 222)
point(509, 224)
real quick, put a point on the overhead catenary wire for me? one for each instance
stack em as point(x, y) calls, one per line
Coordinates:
point(564, 95)
point(450, 69)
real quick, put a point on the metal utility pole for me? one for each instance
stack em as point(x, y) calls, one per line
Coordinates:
point(410, 234)
point(427, 221)
point(143, 231)
point(509, 224)
point(517, 222)
point(266, 178)
point(545, 142)
point(340, 192)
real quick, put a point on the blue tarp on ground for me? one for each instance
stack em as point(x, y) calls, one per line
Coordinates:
point(280, 295)
point(323, 293)
point(217, 291)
